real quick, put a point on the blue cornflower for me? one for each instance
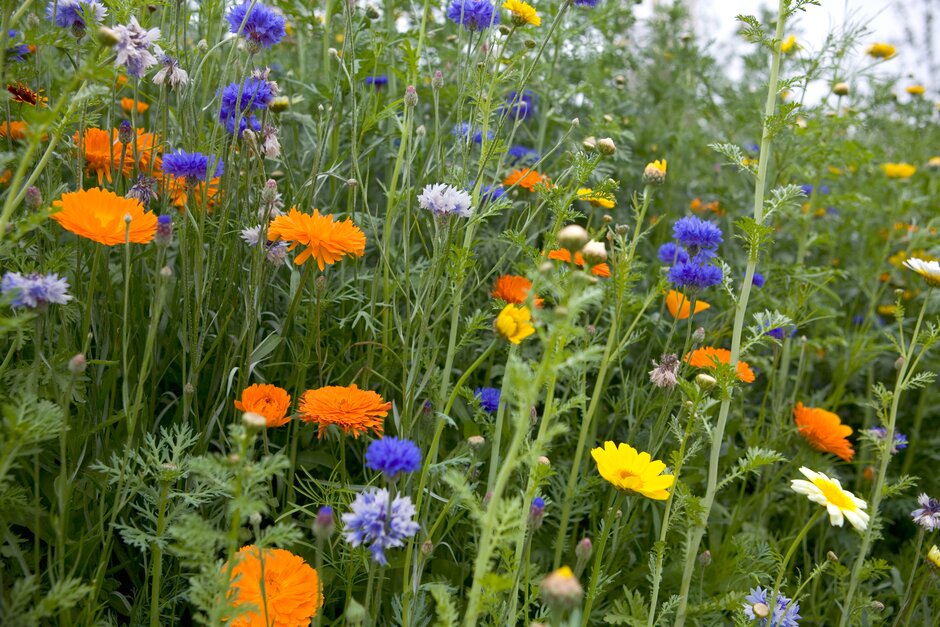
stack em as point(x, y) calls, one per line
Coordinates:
point(758, 280)
point(521, 106)
point(392, 456)
point(263, 27)
point(489, 399)
point(928, 514)
point(489, 193)
point(164, 234)
point(695, 275)
point(193, 166)
point(696, 234)
point(465, 131)
point(473, 15)
point(808, 189)
point(75, 14)
point(522, 154)
point(752, 147)
point(537, 512)
point(782, 616)
point(858, 320)
point(670, 253)
point(900, 440)
point(372, 521)
point(35, 290)
point(240, 99)
point(377, 81)
point(779, 333)
point(585, 3)
point(17, 52)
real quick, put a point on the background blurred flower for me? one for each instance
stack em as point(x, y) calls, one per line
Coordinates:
point(267, 400)
point(514, 289)
point(824, 431)
point(708, 357)
point(681, 307)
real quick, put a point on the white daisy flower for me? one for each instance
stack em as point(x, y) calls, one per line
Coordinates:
point(930, 270)
point(840, 503)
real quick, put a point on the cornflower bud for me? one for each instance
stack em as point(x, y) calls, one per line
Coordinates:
point(411, 96)
point(33, 198)
point(324, 524)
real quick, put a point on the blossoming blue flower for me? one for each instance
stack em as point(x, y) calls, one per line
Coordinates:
point(192, 165)
point(372, 521)
point(380, 80)
point(17, 52)
point(522, 154)
point(695, 275)
point(781, 615)
point(392, 456)
point(779, 333)
point(489, 193)
point(900, 440)
point(928, 514)
point(262, 25)
point(808, 189)
point(758, 280)
point(75, 14)
point(239, 100)
point(465, 131)
point(489, 399)
point(132, 49)
point(585, 3)
point(35, 290)
point(670, 253)
point(473, 15)
point(520, 106)
point(696, 234)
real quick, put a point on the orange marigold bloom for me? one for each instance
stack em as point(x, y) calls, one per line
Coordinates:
point(98, 214)
point(525, 178)
point(14, 130)
point(707, 356)
point(104, 151)
point(824, 431)
point(22, 93)
point(326, 240)
point(561, 254)
point(267, 400)
point(680, 307)
point(128, 105)
point(353, 410)
point(179, 193)
point(276, 587)
point(513, 289)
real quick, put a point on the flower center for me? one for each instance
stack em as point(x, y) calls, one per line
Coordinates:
point(834, 494)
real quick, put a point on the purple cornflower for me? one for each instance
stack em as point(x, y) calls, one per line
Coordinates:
point(133, 47)
point(696, 234)
point(520, 106)
point(900, 440)
point(473, 15)
point(143, 190)
point(35, 290)
point(260, 25)
point(164, 234)
point(522, 154)
point(239, 100)
point(536, 512)
point(489, 399)
point(392, 456)
point(75, 14)
point(671, 253)
point(489, 193)
point(192, 166)
point(694, 274)
point(371, 521)
point(782, 616)
point(928, 514)
point(758, 280)
point(380, 80)
point(171, 74)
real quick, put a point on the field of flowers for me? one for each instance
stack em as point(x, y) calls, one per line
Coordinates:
point(463, 312)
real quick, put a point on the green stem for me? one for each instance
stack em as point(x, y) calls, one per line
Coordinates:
point(789, 555)
point(599, 556)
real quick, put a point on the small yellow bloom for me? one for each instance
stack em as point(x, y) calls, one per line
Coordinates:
point(789, 45)
point(933, 556)
point(515, 323)
point(898, 170)
point(598, 200)
point(627, 469)
point(934, 163)
point(655, 172)
point(522, 12)
point(881, 51)
point(915, 90)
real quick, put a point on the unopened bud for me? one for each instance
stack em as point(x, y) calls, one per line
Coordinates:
point(761, 610)
point(164, 234)
point(107, 37)
point(356, 614)
point(411, 96)
point(832, 557)
point(705, 381)
point(705, 558)
point(255, 519)
point(332, 52)
point(573, 237)
point(575, 122)
point(437, 81)
point(476, 442)
point(372, 12)
point(352, 183)
point(877, 606)
point(279, 104)
point(166, 272)
point(655, 172)
point(189, 388)
point(529, 43)
point(594, 253)
point(606, 146)
point(321, 283)
point(589, 143)
point(544, 460)
point(78, 363)
point(841, 89)
point(427, 547)
point(898, 363)
point(254, 421)
point(324, 524)
point(125, 133)
point(698, 336)
point(561, 590)
point(421, 131)
point(33, 198)
point(584, 549)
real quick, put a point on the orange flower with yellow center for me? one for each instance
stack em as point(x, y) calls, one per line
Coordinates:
point(353, 410)
point(266, 400)
point(513, 289)
point(708, 357)
point(526, 178)
point(128, 105)
point(274, 587)
point(100, 215)
point(680, 307)
point(562, 254)
point(326, 239)
point(824, 431)
point(103, 151)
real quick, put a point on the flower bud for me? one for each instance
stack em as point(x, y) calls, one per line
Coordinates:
point(529, 43)
point(761, 610)
point(705, 381)
point(698, 336)
point(594, 253)
point(584, 549)
point(841, 89)
point(476, 442)
point(125, 134)
point(372, 12)
point(279, 104)
point(877, 606)
point(832, 557)
point(561, 590)
point(536, 512)
point(606, 146)
point(254, 519)
point(164, 234)
point(705, 558)
point(573, 237)
point(78, 363)
point(254, 421)
point(33, 198)
point(589, 143)
point(421, 131)
point(107, 37)
point(324, 524)
point(655, 172)
point(544, 461)
point(437, 81)
point(166, 272)
point(356, 614)
point(427, 547)
point(898, 363)
point(411, 96)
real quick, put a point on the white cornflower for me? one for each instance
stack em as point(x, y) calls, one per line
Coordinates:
point(445, 200)
point(171, 75)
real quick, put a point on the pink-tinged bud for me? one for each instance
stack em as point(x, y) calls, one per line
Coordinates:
point(437, 81)
point(324, 524)
point(411, 96)
point(164, 234)
point(33, 198)
point(561, 590)
point(584, 549)
point(78, 363)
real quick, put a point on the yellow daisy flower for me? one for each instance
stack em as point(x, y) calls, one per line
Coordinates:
point(522, 12)
point(598, 200)
point(627, 469)
point(515, 323)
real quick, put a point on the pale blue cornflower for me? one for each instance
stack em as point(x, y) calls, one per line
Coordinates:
point(373, 522)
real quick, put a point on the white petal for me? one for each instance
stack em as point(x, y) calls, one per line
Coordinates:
point(835, 515)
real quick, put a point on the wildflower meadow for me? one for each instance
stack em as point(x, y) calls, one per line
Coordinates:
point(464, 312)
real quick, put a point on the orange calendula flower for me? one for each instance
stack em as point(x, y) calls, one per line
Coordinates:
point(680, 307)
point(179, 193)
point(561, 254)
point(267, 400)
point(14, 130)
point(100, 215)
point(525, 178)
point(353, 410)
point(513, 289)
point(514, 323)
point(103, 152)
point(22, 93)
point(707, 357)
point(128, 105)
point(275, 588)
point(326, 240)
point(824, 431)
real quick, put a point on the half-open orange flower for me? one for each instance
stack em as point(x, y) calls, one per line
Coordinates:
point(707, 357)
point(526, 178)
point(513, 289)
point(99, 215)
point(267, 400)
point(824, 431)
point(353, 410)
point(14, 130)
point(562, 254)
point(276, 587)
point(326, 239)
point(104, 151)
point(680, 307)
point(128, 105)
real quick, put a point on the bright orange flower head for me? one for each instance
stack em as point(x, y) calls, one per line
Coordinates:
point(179, 193)
point(267, 400)
point(104, 151)
point(99, 215)
point(276, 587)
point(513, 289)
point(326, 240)
point(128, 105)
point(680, 307)
point(562, 254)
point(707, 356)
point(15, 130)
point(353, 410)
point(824, 431)
point(525, 178)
